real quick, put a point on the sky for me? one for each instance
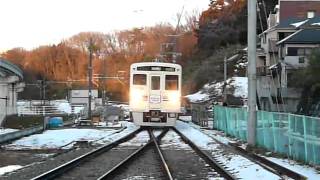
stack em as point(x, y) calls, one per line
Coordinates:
point(31, 23)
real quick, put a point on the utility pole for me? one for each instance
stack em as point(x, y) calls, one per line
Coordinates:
point(225, 80)
point(90, 77)
point(104, 82)
point(252, 79)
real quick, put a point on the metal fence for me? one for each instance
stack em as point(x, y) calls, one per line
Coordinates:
point(296, 136)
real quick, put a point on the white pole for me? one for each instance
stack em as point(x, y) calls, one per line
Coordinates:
point(252, 80)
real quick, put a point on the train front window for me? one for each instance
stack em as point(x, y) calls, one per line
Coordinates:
point(172, 82)
point(139, 79)
point(155, 82)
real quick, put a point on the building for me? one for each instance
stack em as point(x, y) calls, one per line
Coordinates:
point(80, 97)
point(11, 84)
point(293, 31)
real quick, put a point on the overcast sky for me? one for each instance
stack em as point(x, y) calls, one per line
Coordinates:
point(31, 23)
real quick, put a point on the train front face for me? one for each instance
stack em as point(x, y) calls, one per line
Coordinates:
point(155, 91)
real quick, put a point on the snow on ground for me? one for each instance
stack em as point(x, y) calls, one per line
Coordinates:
point(130, 127)
point(239, 84)
point(53, 139)
point(7, 130)
point(65, 138)
point(198, 96)
point(139, 140)
point(172, 140)
point(306, 171)
point(242, 167)
point(10, 168)
point(186, 118)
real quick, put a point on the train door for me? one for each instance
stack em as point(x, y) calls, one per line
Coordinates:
point(155, 92)
point(155, 98)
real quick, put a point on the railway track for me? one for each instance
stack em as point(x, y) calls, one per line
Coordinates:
point(147, 161)
point(281, 171)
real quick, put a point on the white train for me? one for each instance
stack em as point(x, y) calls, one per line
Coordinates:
point(155, 91)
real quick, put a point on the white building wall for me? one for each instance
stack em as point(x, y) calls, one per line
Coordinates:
point(9, 88)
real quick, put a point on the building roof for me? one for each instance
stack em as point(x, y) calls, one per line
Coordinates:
point(303, 36)
point(287, 23)
point(8, 68)
point(294, 23)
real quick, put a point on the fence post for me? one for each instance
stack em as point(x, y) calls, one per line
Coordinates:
point(289, 134)
point(305, 139)
point(262, 119)
point(236, 124)
point(226, 120)
point(314, 152)
point(273, 132)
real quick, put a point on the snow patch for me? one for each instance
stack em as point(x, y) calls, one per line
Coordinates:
point(172, 140)
point(239, 84)
point(7, 130)
point(306, 171)
point(10, 168)
point(140, 139)
point(199, 96)
point(242, 167)
point(298, 24)
point(54, 139)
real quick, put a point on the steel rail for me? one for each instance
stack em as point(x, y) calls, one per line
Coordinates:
point(115, 169)
point(269, 165)
point(207, 158)
point(164, 163)
point(263, 162)
point(73, 163)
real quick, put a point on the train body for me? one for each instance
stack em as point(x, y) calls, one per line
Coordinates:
point(155, 91)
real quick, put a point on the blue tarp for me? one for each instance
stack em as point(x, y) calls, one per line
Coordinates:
point(55, 122)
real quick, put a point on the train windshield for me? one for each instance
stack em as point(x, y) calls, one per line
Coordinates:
point(155, 82)
point(172, 82)
point(139, 79)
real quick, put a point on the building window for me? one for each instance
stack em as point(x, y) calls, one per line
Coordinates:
point(304, 51)
point(310, 14)
point(301, 60)
point(292, 51)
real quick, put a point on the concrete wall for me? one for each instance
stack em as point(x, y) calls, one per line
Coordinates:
point(9, 88)
point(19, 134)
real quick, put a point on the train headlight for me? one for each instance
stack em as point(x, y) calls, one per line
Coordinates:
point(136, 95)
point(174, 97)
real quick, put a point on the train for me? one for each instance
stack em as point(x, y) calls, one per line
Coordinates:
point(155, 93)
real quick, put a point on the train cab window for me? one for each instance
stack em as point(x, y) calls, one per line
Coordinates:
point(155, 82)
point(172, 82)
point(139, 79)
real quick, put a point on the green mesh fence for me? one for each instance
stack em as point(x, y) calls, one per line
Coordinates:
point(296, 136)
